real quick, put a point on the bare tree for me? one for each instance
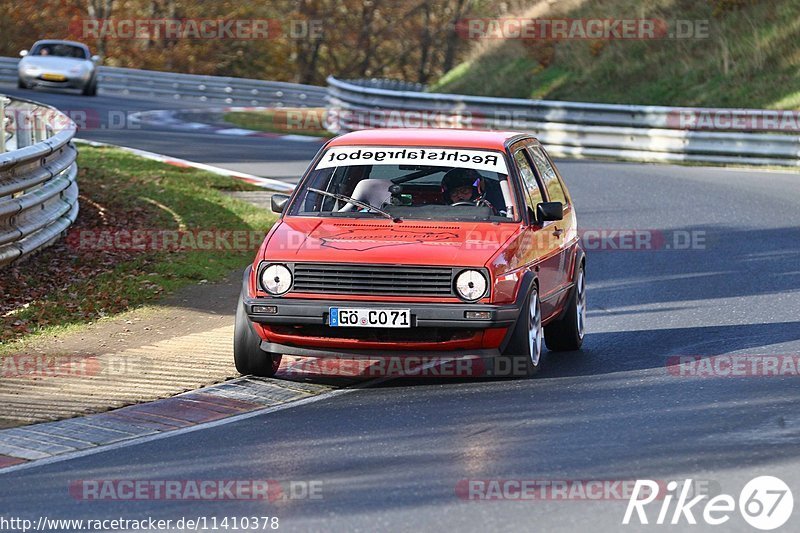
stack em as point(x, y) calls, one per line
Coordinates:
point(100, 9)
point(453, 39)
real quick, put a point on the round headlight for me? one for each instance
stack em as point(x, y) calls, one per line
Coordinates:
point(276, 279)
point(471, 285)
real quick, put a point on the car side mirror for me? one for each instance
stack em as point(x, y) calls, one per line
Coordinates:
point(23, 53)
point(279, 202)
point(96, 59)
point(547, 211)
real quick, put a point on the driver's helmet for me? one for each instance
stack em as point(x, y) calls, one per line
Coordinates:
point(464, 181)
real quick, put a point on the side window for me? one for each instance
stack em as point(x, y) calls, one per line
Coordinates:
point(549, 178)
point(534, 196)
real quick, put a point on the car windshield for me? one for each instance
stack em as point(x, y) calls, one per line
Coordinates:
point(59, 50)
point(433, 184)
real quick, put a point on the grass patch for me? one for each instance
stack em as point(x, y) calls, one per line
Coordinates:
point(290, 121)
point(749, 57)
point(98, 270)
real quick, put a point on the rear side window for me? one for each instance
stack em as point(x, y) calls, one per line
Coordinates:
point(534, 196)
point(549, 177)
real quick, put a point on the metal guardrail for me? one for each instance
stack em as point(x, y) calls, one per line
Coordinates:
point(574, 129)
point(192, 87)
point(38, 188)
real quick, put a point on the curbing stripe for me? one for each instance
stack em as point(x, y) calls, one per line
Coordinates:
point(47, 460)
point(259, 386)
point(166, 117)
point(266, 183)
point(32, 444)
point(223, 401)
point(23, 453)
point(6, 461)
point(157, 423)
point(44, 437)
point(31, 449)
point(107, 423)
point(91, 434)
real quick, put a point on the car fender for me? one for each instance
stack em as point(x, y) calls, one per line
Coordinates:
point(526, 284)
point(579, 257)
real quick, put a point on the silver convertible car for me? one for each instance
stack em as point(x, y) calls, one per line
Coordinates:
point(59, 64)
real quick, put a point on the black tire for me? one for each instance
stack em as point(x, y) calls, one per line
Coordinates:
point(566, 334)
point(90, 89)
point(21, 84)
point(522, 348)
point(247, 353)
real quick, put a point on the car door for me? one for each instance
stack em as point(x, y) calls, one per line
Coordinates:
point(542, 245)
point(564, 231)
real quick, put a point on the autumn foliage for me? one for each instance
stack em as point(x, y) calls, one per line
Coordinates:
point(412, 40)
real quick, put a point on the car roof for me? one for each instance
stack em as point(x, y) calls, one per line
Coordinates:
point(461, 138)
point(61, 41)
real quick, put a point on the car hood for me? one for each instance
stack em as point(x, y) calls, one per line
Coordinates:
point(54, 63)
point(412, 242)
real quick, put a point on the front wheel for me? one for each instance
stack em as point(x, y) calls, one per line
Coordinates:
point(525, 345)
point(247, 353)
point(21, 84)
point(90, 89)
point(566, 333)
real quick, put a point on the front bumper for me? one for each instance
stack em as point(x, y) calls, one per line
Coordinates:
point(69, 82)
point(299, 312)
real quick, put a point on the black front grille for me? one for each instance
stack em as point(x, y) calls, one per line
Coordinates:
point(371, 279)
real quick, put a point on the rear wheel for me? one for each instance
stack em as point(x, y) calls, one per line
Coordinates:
point(21, 84)
point(247, 353)
point(566, 333)
point(525, 345)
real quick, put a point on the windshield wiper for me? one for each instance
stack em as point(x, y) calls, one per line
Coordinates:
point(359, 203)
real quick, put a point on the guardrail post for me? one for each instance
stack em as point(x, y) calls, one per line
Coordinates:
point(24, 128)
point(3, 102)
point(39, 128)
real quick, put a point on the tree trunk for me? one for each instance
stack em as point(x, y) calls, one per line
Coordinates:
point(100, 9)
point(462, 6)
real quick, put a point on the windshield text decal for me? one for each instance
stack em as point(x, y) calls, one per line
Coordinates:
point(475, 159)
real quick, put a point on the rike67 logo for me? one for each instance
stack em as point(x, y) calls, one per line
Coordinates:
point(765, 502)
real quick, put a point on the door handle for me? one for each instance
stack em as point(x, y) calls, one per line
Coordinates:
point(557, 232)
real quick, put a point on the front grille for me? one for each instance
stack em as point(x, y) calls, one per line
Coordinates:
point(371, 279)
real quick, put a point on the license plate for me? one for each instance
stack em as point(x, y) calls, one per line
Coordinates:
point(369, 318)
point(53, 77)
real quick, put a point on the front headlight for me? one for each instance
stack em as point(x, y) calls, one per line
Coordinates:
point(471, 285)
point(276, 279)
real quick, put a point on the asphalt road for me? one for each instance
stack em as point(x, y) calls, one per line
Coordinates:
point(107, 118)
point(391, 457)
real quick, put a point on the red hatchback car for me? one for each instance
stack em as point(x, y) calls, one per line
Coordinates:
point(418, 242)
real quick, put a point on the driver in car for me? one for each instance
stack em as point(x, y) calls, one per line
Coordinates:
point(464, 185)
